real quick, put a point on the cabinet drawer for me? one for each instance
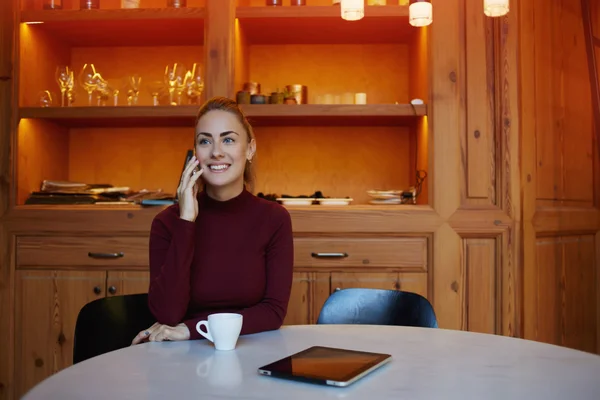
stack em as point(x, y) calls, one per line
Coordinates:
point(81, 251)
point(410, 253)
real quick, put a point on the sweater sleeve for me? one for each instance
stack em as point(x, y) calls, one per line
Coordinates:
point(269, 313)
point(171, 253)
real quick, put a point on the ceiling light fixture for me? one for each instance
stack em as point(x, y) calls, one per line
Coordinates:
point(420, 13)
point(353, 10)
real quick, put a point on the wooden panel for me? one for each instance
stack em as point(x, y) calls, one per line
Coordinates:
point(320, 25)
point(299, 305)
point(563, 112)
point(407, 282)
point(123, 27)
point(40, 251)
point(39, 55)
point(447, 117)
point(47, 305)
point(410, 253)
point(126, 157)
point(286, 159)
point(334, 70)
point(42, 149)
point(481, 258)
point(258, 114)
point(127, 282)
point(479, 140)
point(565, 292)
point(219, 47)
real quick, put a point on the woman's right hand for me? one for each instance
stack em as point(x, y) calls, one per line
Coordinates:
point(188, 190)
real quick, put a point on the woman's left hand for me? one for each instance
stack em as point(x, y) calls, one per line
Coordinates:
point(159, 333)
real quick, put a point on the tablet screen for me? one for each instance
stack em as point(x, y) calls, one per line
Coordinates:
point(326, 363)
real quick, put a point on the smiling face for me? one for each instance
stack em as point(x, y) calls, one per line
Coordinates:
point(223, 146)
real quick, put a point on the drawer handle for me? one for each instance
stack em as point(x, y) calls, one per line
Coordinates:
point(329, 255)
point(106, 255)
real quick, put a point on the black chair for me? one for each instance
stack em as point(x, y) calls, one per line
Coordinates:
point(377, 307)
point(109, 324)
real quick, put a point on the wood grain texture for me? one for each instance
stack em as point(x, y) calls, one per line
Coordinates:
point(8, 61)
point(560, 179)
point(219, 42)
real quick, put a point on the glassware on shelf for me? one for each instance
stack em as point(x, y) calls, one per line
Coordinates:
point(89, 4)
point(177, 3)
point(376, 2)
point(45, 98)
point(52, 5)
point(132, 85)
point(88, 79)
point(156, 89)
point(64, 77)
point(175, 81)
point(194, 84)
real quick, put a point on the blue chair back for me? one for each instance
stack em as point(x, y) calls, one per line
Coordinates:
point(377, 307)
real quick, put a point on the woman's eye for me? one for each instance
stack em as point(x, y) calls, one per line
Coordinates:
point(228, 140)
point(203, 141)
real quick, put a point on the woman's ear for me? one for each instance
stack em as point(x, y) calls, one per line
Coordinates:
point(251, 150)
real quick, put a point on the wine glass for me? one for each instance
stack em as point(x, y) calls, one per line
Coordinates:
point(156, 90)
point(133, 83)
point(89, 78)
point(64, 77)
point(194, 84)
point(175, 80)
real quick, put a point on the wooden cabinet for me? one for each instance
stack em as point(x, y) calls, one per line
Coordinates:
point(47, 304)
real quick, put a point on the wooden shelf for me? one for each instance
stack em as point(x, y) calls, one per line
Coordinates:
point(258, 114)
point(121, 27)
point(323, 25)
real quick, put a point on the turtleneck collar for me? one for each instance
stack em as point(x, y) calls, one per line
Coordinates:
point(235, 203)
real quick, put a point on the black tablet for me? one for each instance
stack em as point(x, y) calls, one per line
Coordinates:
point(326, 365)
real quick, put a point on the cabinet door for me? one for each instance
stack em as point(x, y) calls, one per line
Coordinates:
point(47, 305)
point(309, 292)
point(120, 283)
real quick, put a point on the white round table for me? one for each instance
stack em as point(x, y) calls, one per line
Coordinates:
point(426, 364)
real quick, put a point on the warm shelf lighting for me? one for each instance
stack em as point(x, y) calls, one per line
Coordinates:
point(353, 10)
point(495, 8)
point(420, 13)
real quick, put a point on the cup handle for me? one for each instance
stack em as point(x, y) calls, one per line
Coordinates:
point(200, 331)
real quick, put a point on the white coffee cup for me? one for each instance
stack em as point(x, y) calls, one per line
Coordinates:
point(223, 329)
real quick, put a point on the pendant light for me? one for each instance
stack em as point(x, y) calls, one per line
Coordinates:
point(420, 13)
point(353, 10)
point(495, 8)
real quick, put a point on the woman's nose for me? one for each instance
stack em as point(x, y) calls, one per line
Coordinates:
point(216, 151)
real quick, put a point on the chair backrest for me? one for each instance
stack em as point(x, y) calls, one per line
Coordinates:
point(109, 324)
point(377, 307)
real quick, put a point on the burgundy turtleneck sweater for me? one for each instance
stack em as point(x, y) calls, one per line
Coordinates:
point(236, 257)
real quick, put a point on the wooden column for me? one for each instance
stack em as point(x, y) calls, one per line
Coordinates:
point(8, 33)
point(219, 47)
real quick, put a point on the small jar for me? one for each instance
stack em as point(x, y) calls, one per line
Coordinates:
point(274, 2)
point(89, 4)
point(52, 5)
point(298, 2)
point(177, 3)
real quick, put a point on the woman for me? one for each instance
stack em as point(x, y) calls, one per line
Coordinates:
point(223, 249)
